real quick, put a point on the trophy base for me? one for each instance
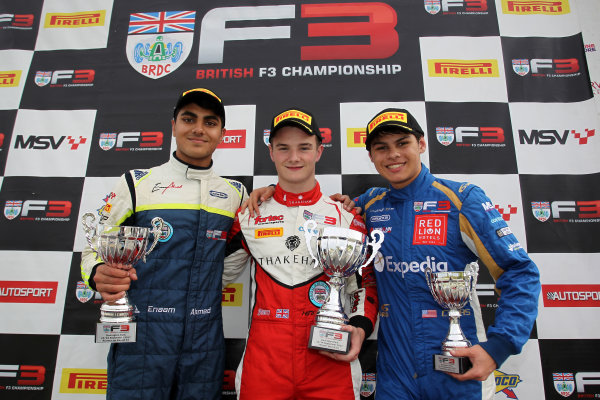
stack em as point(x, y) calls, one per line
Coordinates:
point(457, 365)
point(116, 332)
point(333, 340)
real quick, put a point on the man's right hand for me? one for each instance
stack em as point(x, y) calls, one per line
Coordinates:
point(256, 197)
point(112, 282)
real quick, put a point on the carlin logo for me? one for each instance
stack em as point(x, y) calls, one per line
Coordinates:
point(444, 135)
point(159, 42)
point(541, 210)
point(564, 383)
point(433, 6)
point(505, 383)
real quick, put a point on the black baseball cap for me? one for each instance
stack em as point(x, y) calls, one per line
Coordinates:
point(202, 97)
point(392, 117)
point(295, 117)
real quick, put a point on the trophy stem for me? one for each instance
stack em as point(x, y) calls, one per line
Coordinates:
point(118, 311)
point(456, 337)
point(331, 315)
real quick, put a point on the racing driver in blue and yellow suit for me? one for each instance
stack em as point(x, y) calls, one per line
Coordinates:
point(180, 348)
point(443, 225)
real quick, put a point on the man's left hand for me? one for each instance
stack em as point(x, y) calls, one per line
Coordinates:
point(357, 337)
point(483, 364)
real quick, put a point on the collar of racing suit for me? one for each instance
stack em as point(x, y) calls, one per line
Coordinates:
point(191, 171)
point(411, 191)
point(297, 199)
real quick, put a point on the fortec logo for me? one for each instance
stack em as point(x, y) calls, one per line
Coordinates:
point(456, 7)
point(65, 78)
point(35, 142)
point(470, 136)
point(552, 136)
point(524, 7)
point(403, 267)
point(83, 19)
point(566, 211)
point(463, 68)
point(83, 381)
point(38, 210)
point(16, 21)
point(131, 141)
point(270, 219)
point(22, 377)
point(547, 67)
point(232, 295)
point(233, 139)
point(28, 292)
point(571, 295)
point(268, 232)
point(10, 78)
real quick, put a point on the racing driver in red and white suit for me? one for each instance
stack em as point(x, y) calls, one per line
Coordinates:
point(288, 289)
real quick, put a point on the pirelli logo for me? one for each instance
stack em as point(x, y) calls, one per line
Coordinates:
point(10, 78)
point(463, 68)
point(525, 7)
point(232, 295)
point(268, 232)
point(81, 19)
point(356, 137)
point(292, 114)
point(388, 116)
point(88, 381)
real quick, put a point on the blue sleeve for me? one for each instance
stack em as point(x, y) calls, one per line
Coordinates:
point(516, 276)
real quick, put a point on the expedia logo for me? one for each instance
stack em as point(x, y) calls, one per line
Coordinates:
point(463, 68)
point(388, 116)
point(268, 232)
point(75, 20)
point(292, 114)
point(526, 7)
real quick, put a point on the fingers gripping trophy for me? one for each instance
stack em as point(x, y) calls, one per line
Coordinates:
point(340, 252)
point(121, 247)
point(452, 290)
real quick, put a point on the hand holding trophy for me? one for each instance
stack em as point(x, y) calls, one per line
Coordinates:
point(121, 247)
point(340, 252)
point(452, 290)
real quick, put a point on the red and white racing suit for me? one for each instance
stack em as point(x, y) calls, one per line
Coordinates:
point(287, 291)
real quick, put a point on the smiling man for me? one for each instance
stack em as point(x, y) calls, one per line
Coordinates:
point(287, 289)
point(179, 352)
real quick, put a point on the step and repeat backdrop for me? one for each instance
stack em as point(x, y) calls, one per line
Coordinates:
point(502, 89)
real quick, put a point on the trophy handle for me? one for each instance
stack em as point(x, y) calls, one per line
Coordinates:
point(375, 245)
point(157, 226)
point(472, 270)
point(88, 228)
point(309, 226)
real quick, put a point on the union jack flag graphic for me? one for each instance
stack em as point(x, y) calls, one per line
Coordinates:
point(162, 22)
point(282, 313)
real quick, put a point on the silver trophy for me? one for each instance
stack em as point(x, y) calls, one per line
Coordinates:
point(340, 252)
point(452, 290)
point(121, 247)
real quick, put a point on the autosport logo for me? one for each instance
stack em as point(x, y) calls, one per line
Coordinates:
point(571, 295)
point(470, 136)
point(38, 210)
point(233, 139)
point(28, 292)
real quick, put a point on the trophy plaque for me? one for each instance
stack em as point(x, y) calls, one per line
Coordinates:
point(452, 291)
point(340, 252)
point(119, 246)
